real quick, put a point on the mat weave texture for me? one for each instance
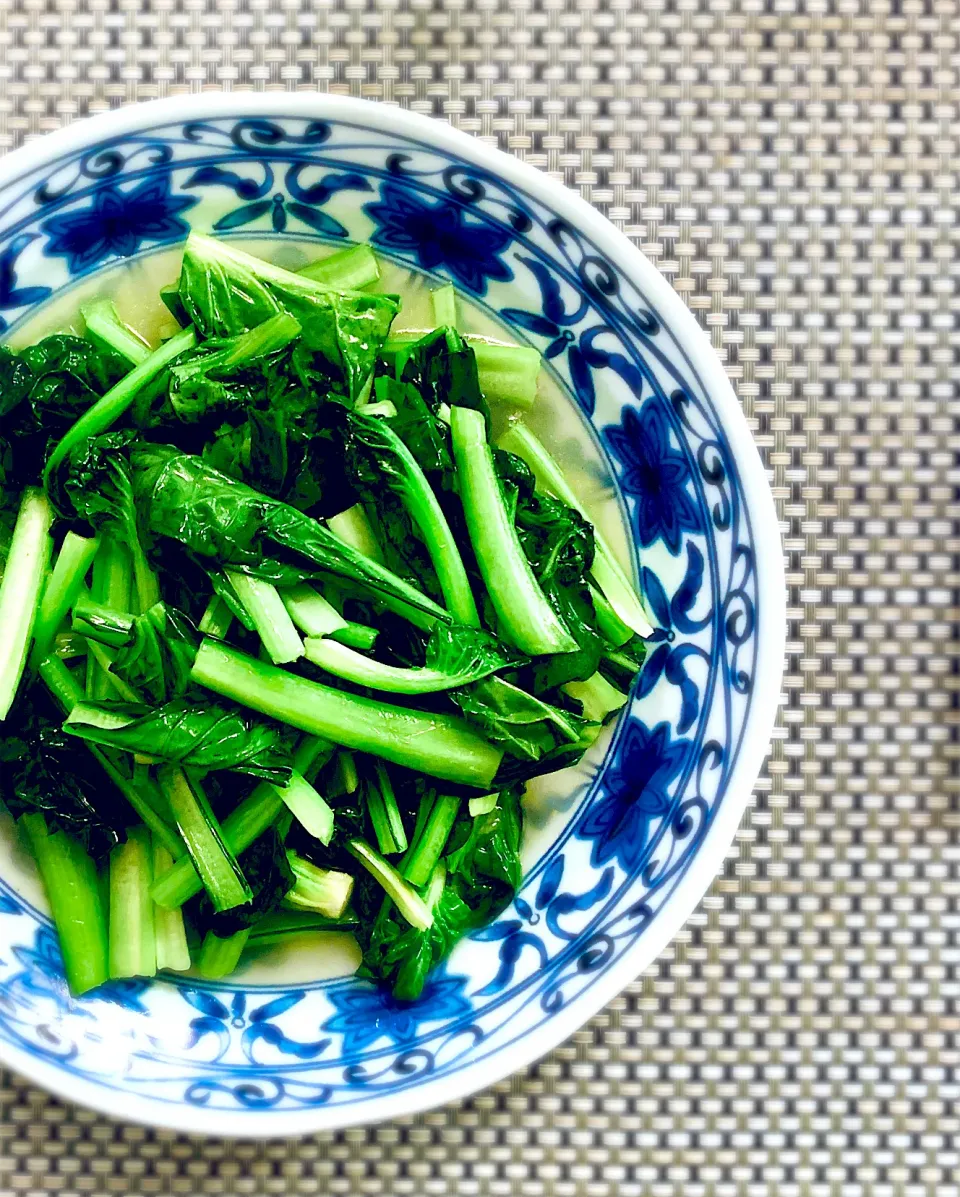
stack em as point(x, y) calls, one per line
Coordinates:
point(792, 167)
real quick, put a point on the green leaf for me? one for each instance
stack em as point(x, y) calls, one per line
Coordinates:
point(200, 738)
point(226, 291)
point(216, 517)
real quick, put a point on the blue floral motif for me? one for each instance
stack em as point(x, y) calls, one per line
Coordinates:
point(513, 936)
point(440, 234)
point(11, 294)
point(366, 1013)
point(303, 204)
point(635, 795)
point(256, 1026)
point(117, 223)
point(656, 474)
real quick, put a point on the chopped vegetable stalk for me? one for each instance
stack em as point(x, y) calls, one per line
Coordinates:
point(111, 406)
point(60, 593)
point(429, 847)
point(171, 936)
point(406, 899)
point(308, 808)
point(609, 624)
point(20, 590)
point(67, 646)
point(482, 805)
point(105, 327)
point(203, 836)
point(104, 624)
point(353, 527)
point(598, 696)
point(112, 580)
point(607, 572)
point(385, 814)
point(344, 662)
point(349, 270)
point(526, 616)
point(508, 373)
point(311, 612)
point(133, 946)
point(282, 925)
point(356, 635)
point(311, 755)
point(262, 602)
point(348, 779)
point(427, 799)
point(403, 475)
point(240, 828)
point(444, 302)
point(326, 891)
point(220, 956)
point(73, 890)
point(216, 619)
point(105, 659)
point(440, 745)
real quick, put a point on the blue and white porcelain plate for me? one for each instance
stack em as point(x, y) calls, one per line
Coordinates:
point(618, 860)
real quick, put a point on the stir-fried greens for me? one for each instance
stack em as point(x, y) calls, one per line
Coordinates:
point(283, 632)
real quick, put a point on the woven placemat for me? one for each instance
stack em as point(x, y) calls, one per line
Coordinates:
point(791, 166)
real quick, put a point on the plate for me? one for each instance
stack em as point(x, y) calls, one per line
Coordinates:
point(625, 848)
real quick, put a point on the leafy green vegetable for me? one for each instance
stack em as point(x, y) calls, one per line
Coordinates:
point(171, 936)
point(488, 858)
point(60, 591)
point(73, 891)
point(105, 412)
point(607, 572)
point(199, 738)
point(527, 726)
point(440, 745)
point(156, 650)
point(96, 485)
point(526, 616)
point(322, 480)
point(406, 899)
point(20, 590)
point(597, 697)
point(347, 270)
point(268, 872)
point(105, 328)
point(430, 843)
point(41, 771)
point(249, 820)
point(202, 834)
point(507, 373)
point(225, 292)
point(325, 891)
point(201, 380)
point(455, 656)
point(219, 956)
point(382, 460)
point(216, 517)
point(401, 956)
point(133, 944)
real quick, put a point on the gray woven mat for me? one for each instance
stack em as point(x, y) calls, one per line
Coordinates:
point(791, 166)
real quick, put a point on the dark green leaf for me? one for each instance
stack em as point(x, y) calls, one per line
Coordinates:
point(43, 769)
point(226, 292)
point(527, 726)
point(199, 738)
